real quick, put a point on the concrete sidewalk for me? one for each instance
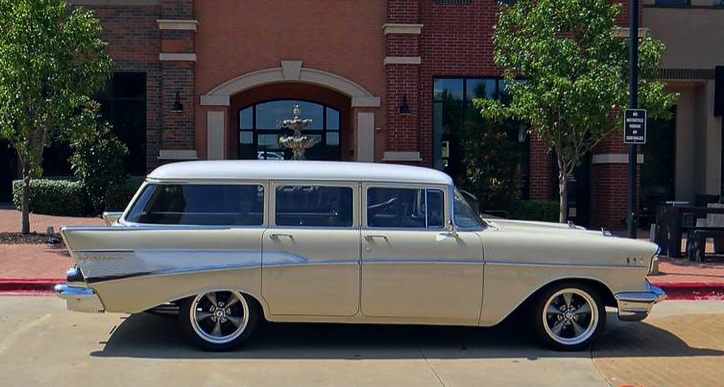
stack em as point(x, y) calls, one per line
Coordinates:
point(37, 267)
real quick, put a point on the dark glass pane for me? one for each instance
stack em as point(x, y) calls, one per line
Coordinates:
point(129, 125)
point(332, 119)
point(435, 209)
point(313, 206)
point(247, 152)
point(333, 138)
point(479, 88)
point(246, 137)
point(269, 115)
point(55, 159)
point(129, 85)
point(221, 205)
point(268, 141)
point(448, 89)
point(672, 2)
point(395, 208)
point(246, 118)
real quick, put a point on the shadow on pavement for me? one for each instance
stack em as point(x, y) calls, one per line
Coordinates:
point(149, 336)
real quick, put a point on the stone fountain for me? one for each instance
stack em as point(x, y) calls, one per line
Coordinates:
point(297, 142)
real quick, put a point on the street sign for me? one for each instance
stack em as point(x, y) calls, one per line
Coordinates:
point(634, 126)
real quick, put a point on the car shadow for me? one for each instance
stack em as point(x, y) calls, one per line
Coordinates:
point(150, 336)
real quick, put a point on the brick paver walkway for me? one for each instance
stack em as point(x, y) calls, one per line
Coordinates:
point(664, 352)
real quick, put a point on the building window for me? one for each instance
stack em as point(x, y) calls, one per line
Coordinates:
point(260, 127)
point(673, 3)
point(123, 104)
point(457, 124)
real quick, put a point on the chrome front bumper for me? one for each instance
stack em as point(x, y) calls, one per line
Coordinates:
point(79, 299)
point(635, 306)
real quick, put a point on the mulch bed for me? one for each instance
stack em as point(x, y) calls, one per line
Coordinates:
point(14, 238)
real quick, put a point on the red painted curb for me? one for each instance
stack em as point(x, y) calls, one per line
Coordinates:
point(29, 286)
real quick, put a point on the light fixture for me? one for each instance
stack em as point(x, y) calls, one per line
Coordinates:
point(178, 107)
point(404, 107)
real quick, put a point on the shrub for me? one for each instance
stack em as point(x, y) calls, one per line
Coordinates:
point(97, 163)
point(540, 210)
point(53, 197)
point(118, 196)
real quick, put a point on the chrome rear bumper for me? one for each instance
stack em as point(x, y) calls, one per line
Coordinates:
point(635, 306)
point(79, 299)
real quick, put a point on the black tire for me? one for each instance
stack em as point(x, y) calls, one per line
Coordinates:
point(576, 316)
point(219, 321)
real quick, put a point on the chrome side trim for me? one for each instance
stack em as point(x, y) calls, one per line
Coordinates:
point(558, 264)
point(636, 306)
point(79, 299)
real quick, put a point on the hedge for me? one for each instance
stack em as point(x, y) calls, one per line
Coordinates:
point(540, 210)
point(67, 197)
point(53, 197)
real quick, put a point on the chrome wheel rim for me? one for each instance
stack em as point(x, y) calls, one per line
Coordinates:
point(219, 317)
point(570, 316)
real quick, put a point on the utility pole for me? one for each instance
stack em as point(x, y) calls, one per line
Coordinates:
point(633, 104)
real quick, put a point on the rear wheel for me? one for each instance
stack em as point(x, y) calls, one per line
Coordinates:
point(219, 320)
point(569, 316)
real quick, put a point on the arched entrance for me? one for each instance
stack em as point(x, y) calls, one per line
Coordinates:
point(257, 115)
point(322, 92)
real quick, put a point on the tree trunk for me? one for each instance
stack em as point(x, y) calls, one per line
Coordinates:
point(562, 192)
point(25, 199)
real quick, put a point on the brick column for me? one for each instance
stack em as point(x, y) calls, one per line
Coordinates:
point(178, 60)
point(402, 66)
point(609, 184)
point(540, 170)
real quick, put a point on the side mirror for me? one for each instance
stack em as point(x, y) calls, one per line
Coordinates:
point(451, 228)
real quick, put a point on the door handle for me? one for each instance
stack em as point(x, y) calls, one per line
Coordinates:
point(371, 237)
point(277, 236)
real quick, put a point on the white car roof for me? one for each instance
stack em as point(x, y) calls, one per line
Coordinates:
point(297, 170)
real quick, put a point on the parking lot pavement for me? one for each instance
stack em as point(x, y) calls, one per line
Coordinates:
point(680, 344)
point(43, 344)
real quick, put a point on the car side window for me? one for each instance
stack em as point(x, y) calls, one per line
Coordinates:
point(405, 208)
point(313, 206)
point(203, 205)
point(465, 216)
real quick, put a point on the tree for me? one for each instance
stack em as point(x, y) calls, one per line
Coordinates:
point(576, 76)
point(51, 60)
point(97, 159)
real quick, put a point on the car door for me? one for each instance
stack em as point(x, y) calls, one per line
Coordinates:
point(311, 252)
point(412, 267)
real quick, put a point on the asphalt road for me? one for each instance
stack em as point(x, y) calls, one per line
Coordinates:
point(42, 344)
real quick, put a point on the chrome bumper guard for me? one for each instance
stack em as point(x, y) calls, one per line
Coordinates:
point(79, 299)
point(635, 306)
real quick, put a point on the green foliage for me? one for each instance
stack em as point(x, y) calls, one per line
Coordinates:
point(53, 197)
point(118, 196)
point(51, 60)
point(540, 210)
point(491, 156)
point(576, 75)
point(97, 160)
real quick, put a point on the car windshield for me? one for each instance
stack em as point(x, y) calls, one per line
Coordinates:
point(465, 215)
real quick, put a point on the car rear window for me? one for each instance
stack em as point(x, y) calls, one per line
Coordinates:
point(210, 205)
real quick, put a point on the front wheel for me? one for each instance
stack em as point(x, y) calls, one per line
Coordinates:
point(569, 316)
point(219, 320)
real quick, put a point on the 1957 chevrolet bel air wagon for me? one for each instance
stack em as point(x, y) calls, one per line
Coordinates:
point(234, 242)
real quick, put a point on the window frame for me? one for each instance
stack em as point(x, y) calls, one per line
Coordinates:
point(444, 190)
point(272, 197)
point(154, 185)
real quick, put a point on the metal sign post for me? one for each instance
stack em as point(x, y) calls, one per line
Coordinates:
point(633, 104)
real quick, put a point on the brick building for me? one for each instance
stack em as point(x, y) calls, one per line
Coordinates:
point(379, 78)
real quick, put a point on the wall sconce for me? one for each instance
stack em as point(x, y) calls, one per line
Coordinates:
point(404, 107)
point(178, 107)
